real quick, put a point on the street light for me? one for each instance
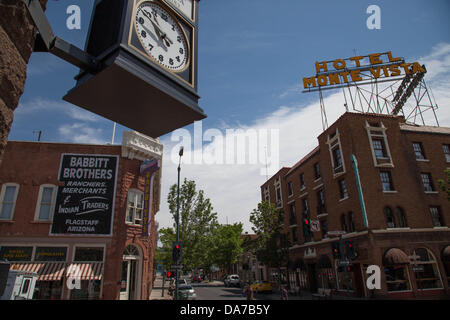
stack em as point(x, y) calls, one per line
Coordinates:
point(180, 153)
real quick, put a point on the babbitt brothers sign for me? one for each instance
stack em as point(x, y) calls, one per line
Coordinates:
point(85, 204)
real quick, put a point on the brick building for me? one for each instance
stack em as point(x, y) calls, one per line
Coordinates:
point(374, 180)
point(111, 257)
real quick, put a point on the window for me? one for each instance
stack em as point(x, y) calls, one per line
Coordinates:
point(401, 218)
point(397, 278)
point(278, 196)
point(426, 270)
point(317, 171)
point(427, 182)
point(83, 254)
point(324, 228)
point(46, 202)
point(135, 206)
point(337, 158)
point(446, 149)
point(436, 216)
point(351, 222)
point(292, 217)
point(305, 205)
point(290, 189)
point(379, 144)
point(343, 189)
point(418, 151)
point(8, 197)
point(344, 223)
point(390, 221)
point(321, 202)
point(302, 181)
point(379, 148)
point(386, 181)
point(294, 235)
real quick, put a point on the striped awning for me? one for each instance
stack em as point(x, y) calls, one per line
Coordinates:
point(47, 271)
point(85, 271)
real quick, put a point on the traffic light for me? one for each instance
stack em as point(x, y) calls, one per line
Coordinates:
point(169, 274)
point(177, 254)
point(306, 227)
point(350, 252)
point(335, 249)
point(348, 268)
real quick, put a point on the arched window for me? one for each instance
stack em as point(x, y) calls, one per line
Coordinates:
point(401, 218)
point(426, 270)
point(445, 256)
point(395, 263)
point(390, 222)
point(135, 206)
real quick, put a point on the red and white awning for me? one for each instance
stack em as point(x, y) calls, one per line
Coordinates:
point(85, 271)
point(47, 271)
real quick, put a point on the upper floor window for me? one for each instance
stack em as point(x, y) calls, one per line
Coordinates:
point(343, 189)
point(379, 144)
point(427, 181)
point(395, 221)
point(379, 148)
point(292, 216)
point(305, 205)
point(321, 208)
point(386, 181)
point(418, 151)
point(317, 171)
point(401, 218)
point(45, 203)
point(351, 222)
point(446, 149)
point(302, 181)
point(294, 235)
point(278, 196)
point(290, 189)
point(8, 197)
point(390, 221)
point(135, 206)
point(344, 223)
point(436, 216)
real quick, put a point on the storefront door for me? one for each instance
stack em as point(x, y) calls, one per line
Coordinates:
point(128, 281)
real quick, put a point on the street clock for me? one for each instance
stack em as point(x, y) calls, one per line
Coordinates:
point(147, 79)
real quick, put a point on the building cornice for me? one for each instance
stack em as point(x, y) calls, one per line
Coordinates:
point(135, 145)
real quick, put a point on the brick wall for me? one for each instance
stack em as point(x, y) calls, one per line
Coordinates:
point(17, 35)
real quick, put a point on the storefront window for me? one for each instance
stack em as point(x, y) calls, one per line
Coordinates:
point(344, 278)
point(327, 279)
point(88, 254)
point(426, 270)
point(397, 278)
point(90, 290)
point(48, 290)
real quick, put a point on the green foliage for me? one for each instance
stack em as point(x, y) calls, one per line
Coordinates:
point(197, 223)
point(272, 245)
point(445, 185)
point(164, 254)
point(226, 245)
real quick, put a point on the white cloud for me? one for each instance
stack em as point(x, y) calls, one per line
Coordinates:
point(81, 133)
point(234, 189)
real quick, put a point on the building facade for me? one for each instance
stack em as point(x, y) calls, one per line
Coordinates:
point(372, 180)
point(74, 214)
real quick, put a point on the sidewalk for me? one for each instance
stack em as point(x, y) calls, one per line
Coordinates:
point(157, 290)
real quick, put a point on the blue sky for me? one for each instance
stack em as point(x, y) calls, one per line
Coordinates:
point(253, 55)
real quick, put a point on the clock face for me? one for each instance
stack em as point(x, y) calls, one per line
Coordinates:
point(161, 36)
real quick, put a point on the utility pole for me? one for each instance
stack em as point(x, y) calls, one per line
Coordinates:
point(180, 153)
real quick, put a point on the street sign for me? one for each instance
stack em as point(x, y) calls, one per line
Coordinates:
point(176, 267)
point(418, 268)
point(315, 225)
point(343, 263)
point(335, 233)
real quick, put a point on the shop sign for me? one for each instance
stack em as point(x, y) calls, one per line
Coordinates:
point(50, 254)
point(85, 204)
point(310, 253)
point(16, 253)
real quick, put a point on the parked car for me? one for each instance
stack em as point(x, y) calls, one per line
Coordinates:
point(196, 278)
point(232, 280)
point(186, 292)
point(261, 286)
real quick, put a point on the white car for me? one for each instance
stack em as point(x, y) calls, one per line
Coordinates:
point(232, 280)
point(188, 291)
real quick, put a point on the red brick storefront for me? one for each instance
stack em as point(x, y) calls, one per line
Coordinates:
point(113, 266)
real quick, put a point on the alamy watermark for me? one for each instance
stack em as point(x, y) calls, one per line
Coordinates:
point(229, 147)
point(374, 20)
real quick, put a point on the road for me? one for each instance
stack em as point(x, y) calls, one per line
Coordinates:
point(224, 293)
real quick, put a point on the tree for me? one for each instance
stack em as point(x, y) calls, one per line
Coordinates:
point(445, 185)
point(272, 245)
point(197, 223)
point(226, 245)
point(164, 254)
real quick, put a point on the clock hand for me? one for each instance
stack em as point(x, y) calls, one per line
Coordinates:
point(161, 33)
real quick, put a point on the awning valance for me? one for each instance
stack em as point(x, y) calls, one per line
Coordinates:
point(85, 271)
point(395, 256)
point(47, 271)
